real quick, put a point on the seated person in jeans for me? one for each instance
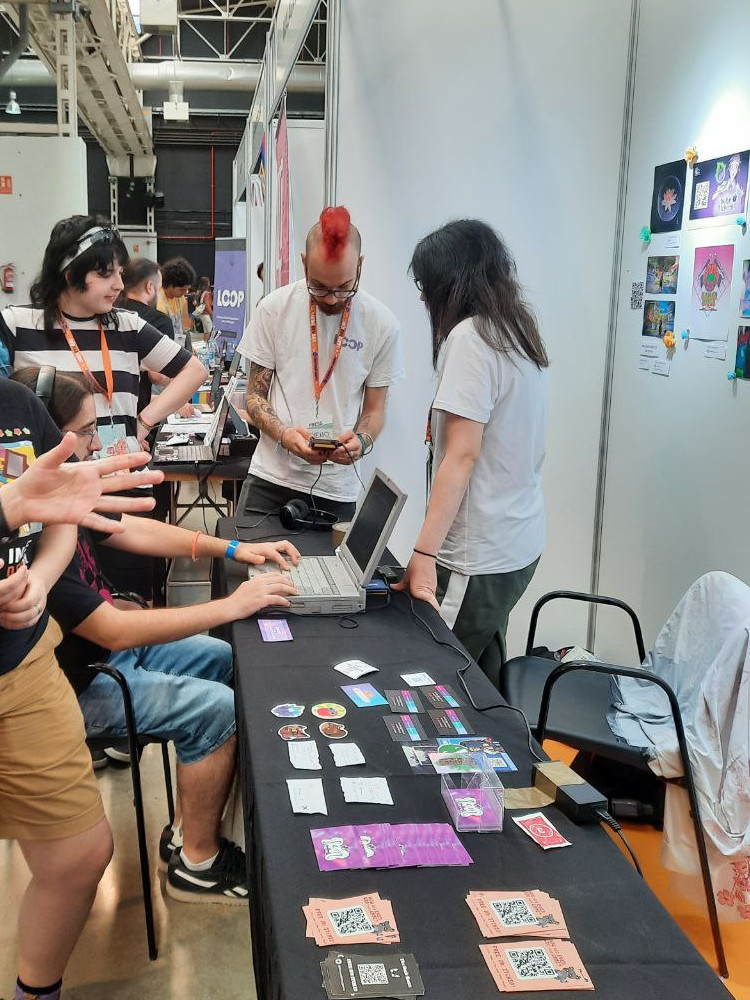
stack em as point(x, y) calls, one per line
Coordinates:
point(179, 681)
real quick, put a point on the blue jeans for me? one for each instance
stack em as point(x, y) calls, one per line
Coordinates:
point(181, 691)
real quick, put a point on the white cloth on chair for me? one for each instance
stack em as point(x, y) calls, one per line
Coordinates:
point(703, 653)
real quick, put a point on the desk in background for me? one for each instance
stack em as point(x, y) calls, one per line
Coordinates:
point(629, 944)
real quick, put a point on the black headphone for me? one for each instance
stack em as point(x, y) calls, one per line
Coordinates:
point(298, 515)
point(45, 384)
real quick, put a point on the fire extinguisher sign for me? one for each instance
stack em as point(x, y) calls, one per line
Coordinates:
point(6, 184)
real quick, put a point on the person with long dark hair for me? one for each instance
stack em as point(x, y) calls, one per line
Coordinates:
point(484, 530)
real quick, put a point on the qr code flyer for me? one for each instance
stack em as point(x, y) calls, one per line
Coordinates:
point(528, 965)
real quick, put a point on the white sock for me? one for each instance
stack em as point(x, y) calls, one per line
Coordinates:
point(201, 866)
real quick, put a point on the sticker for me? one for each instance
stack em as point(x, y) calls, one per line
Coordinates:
point(542, 832)
point(333, 730)
point(288, 711)
point(328, 710)
point(294, 732)
point(275, 630)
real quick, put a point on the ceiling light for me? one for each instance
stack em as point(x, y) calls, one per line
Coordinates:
point(13, 107)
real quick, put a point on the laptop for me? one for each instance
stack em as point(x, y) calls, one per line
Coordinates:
point(234, 364)
point(167, 454)
point(335, 585)
point(213, 395)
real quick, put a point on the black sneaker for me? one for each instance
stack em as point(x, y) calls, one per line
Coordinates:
point(118, 753)
point(169, 842)
point(99, 759)
point(224, 882)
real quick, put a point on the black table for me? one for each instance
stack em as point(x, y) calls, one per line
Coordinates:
point(629, 944)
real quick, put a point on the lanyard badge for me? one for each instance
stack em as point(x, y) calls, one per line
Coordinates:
point(318, 383)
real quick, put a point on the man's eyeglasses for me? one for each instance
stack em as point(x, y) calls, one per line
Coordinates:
point(86, 434)
point(342, 294)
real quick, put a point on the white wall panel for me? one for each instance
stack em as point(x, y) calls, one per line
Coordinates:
point(49, 184)
point(677, 477)
point(511, 112)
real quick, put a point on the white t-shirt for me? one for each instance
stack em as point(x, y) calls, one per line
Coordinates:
point(500, 524)
point(278, 337)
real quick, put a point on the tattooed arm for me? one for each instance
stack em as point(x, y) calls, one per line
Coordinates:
point(263, 416)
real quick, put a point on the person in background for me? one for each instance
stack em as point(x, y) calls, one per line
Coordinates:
point(179, 681)
point(323, 354)
point(49, 800)
point(204, 308)
point(178, 277)
point(73, 325)
point(484, 530)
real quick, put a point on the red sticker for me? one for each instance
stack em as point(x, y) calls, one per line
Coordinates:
point(541, 831)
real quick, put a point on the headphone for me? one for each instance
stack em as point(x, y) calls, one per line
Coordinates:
point(45, 384)
point(297, 515)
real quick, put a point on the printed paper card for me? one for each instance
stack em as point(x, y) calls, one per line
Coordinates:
point(363, 695)
point(355, 668)
point(668, 198)
point(404, 728)
point(542, 832)
point(710, 304)
point(404, 700)
point(417, 680)
point(275, 630)
point(450, 722)
point(509, 914)
point(346, 976)
point(358, 920)
point(491, 749)
point(536, 965)
point(417, 756)
point(441, 696)
point(720, 187)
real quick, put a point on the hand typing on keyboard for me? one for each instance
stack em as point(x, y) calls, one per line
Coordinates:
point(264, 591)
point(270, 555)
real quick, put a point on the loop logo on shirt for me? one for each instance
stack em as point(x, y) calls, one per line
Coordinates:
point(353, 345)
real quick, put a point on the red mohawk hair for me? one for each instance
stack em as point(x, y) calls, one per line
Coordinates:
point(335, 224)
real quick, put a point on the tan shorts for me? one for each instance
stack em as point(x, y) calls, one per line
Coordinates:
point(47, 785)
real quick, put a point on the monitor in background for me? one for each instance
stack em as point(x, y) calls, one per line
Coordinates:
point(235, 363)
point(213, 398)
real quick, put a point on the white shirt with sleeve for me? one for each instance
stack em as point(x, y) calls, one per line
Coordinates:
point(500, 525)
point(278, 337)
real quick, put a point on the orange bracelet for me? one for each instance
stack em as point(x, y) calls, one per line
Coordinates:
point(194, 553)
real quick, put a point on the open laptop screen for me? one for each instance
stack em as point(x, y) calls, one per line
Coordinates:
point(370, 521)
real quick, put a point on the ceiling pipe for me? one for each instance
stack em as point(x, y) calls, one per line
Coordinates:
point(194, 74)
point(20, 44)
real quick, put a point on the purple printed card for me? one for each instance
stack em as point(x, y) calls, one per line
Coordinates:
point(337, 847)
point(378, 846)
point(275, 630)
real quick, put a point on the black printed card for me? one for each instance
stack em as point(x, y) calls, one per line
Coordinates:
point(450, 722)
point(404, 728)
point(404, 700)
point(441, 696)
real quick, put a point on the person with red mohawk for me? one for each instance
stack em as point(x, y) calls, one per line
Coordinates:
point(322, 355)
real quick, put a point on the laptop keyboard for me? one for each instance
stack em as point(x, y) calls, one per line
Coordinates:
point(313, 578)
point(186, 453)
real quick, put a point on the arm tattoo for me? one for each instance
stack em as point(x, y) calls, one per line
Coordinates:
point(259, 410)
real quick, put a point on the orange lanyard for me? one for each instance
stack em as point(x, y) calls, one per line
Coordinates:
point(338, 343)
point(83, 364)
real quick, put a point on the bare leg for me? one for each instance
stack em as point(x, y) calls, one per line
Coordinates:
point(203, 790)
point(64, 876)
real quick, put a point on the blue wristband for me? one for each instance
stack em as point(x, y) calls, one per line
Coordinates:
point(231, 549)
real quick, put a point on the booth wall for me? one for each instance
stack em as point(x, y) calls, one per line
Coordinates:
point(511, 113)
point(307, 161)
point(677, 479)
point(41, 197)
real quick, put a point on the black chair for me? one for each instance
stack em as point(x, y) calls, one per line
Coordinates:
point(579, 718)
point(136, 743)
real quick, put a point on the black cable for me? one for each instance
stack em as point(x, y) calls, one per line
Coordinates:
point(462, 681)
point(612, 823)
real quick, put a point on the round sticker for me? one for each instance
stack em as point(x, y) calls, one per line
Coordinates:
point(333, 730)
point(294, 732)
point(288, 711)
point(328, 710)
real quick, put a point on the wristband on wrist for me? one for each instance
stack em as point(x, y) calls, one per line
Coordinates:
point(280, 442)
point(149, 427)
point(231, 549)
point(421, 552)
point(362, 445)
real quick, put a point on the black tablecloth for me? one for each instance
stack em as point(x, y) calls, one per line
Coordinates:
point(628, 943)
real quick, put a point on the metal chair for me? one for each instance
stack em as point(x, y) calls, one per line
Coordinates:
point(136, 742)
point(579, 718)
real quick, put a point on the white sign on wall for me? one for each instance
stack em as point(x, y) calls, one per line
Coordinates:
point(292, 23)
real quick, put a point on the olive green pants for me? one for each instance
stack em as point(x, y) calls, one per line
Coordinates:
point(477, 609)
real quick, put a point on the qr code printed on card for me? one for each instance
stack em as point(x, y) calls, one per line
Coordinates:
point(350, 920)
point(373, 974)
point(531, 963)
point(700, 199)
point(636, 295)
point(513, 912)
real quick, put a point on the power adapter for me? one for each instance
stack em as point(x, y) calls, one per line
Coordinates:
point(578, 800)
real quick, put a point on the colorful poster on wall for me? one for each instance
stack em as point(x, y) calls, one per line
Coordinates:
point(720, 187)
point(668, 198)
point(742, 362)
point(710, 308)
point(658, 318)
point(745, 290)
point(661, 275)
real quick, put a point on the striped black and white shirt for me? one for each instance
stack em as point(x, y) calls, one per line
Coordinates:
point(134, 347)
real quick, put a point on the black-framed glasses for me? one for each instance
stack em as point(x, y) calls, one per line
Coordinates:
point(342, 294)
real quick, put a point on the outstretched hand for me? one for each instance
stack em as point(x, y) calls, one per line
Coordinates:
point(420, 580)
point(53, 491)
